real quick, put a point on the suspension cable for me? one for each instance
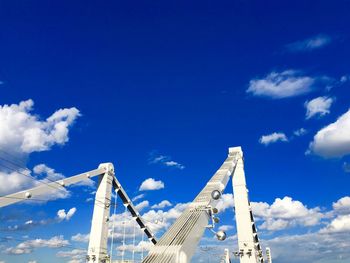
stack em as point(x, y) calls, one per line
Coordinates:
point(143, 238)
point(114, 210)
point(133, 243)
point(124, 228)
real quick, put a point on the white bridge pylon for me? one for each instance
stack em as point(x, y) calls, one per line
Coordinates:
point(179, 243)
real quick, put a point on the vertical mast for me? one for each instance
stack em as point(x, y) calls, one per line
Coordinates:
point(97, 252)
point(248, 242)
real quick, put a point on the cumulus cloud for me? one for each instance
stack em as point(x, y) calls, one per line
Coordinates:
point(28, 246)
point(151, 184)
point(310, 247)
point(342, 206)
point(318, 107)
point(14, 181)
point(52, 175)
point(278, 85)
point(23, 132)
point(165, 160)
point(284, 213)
point(333, 140)
point(141, 246)
point(272, 138)
point(157, 220)
point(226, 201)
point(62, 215)
point(161, 205)
point(339, 224)
point(309, 44)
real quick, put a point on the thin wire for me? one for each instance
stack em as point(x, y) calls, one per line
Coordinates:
point(32, 178)
point(143, 238)
point(133, 243)
point(124, 223)
point(115, 207)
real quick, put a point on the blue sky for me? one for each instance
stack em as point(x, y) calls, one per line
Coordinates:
point(162, 90)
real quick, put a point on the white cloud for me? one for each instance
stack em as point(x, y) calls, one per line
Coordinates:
point(225, 227)
point(285, 213)
point(318, 107)
point(76, 255)
point(140, 196)
point(300, 132)
point(52, 175)
point(339, 224)
point(23, 179)
point(226, 201)
point(309, 44)
point(23, 132)
point(174, 164)
point(344, 78)
point(15, 181)
point(278, 85)
point(161, 205)
point(151, 184)
point(273, 137)
point(310, 247)
point(142, 205)
point(342, 206)
point(62, 215)
point(81, 238)
point(333, 140)
point(166, 161)
point(28, 246)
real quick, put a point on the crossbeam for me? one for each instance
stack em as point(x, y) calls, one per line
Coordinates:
point(45, 188)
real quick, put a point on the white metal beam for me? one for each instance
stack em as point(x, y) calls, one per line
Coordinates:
point(45, 188)
point(248, 242)
point(97, 251)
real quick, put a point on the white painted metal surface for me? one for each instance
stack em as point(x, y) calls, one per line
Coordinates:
point(268, 255)
point(97, 251)
point(46, 188)
point(227, 256)
point(248, 241)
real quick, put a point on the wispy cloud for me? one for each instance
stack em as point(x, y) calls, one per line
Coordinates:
point(165, 160)
point(346, 167)
point(315, 42)
point(272, 138)
point(300, 132)
point(278, 85)
point(140, 196)
point(318, 107)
